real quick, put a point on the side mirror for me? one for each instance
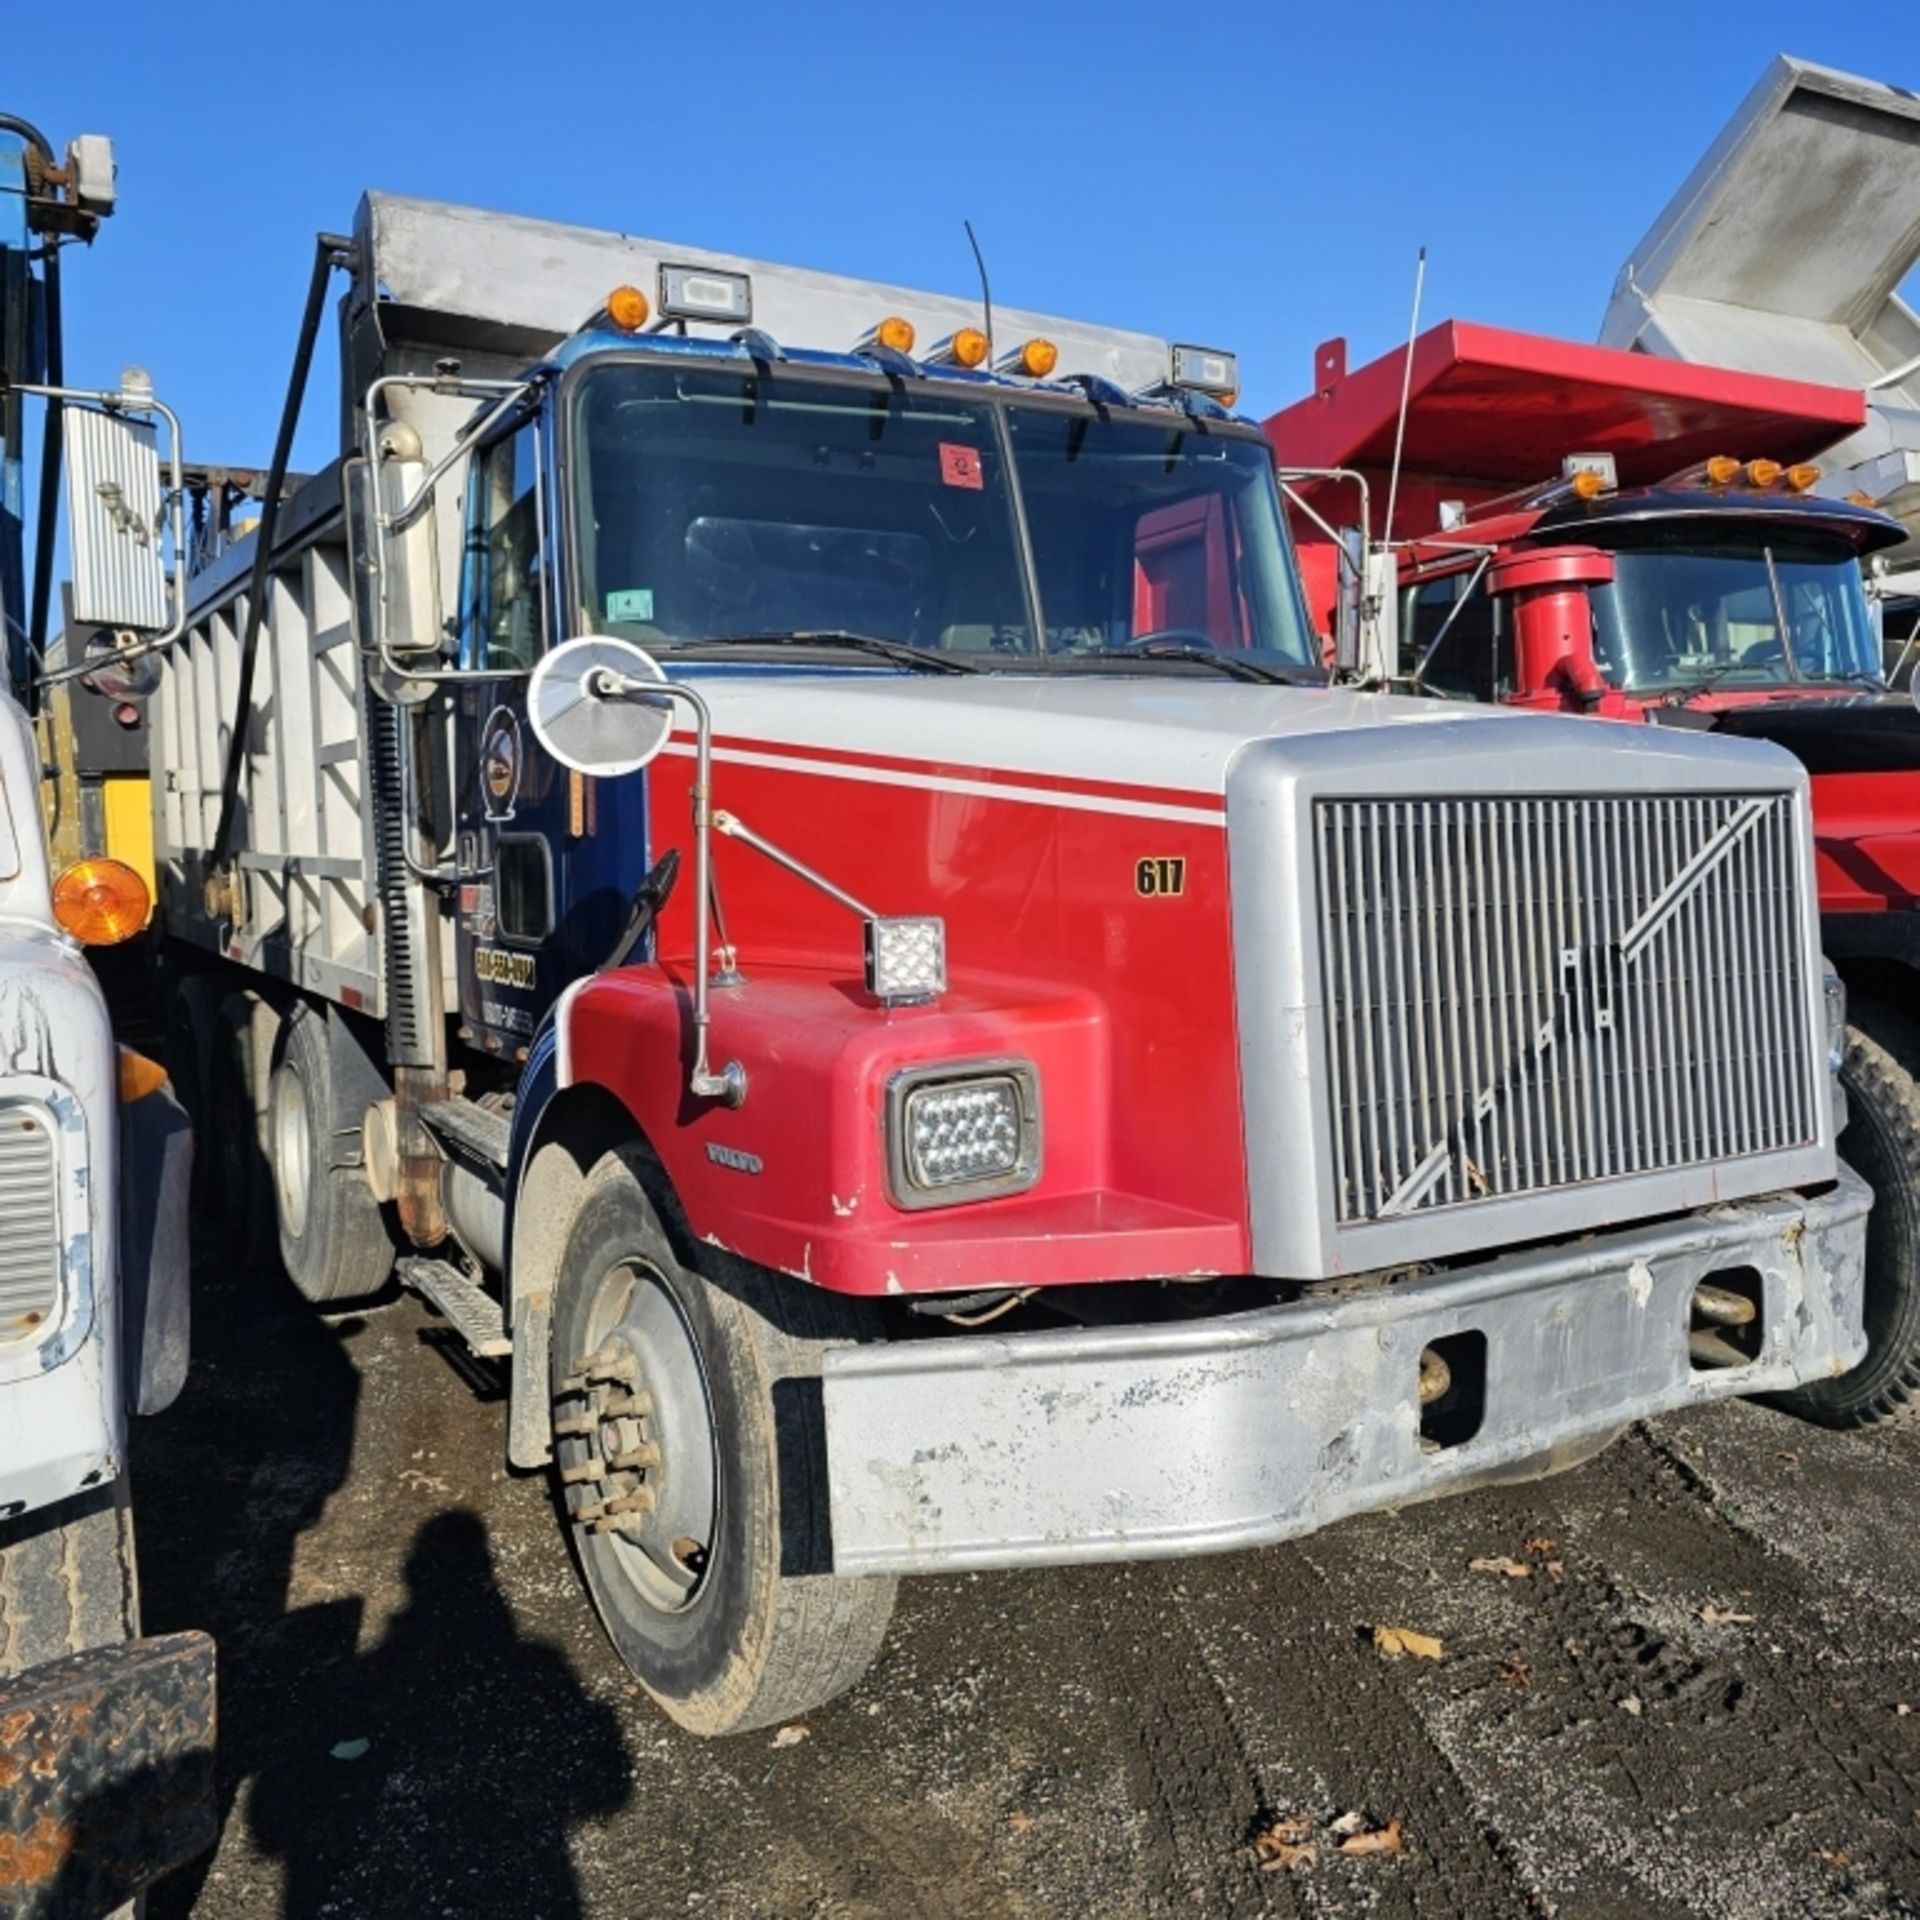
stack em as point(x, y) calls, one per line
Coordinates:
point(116, 518)
point(1350, 592)
point(591, 706)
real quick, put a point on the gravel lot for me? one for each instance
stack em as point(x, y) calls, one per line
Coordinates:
point(1689, 1696)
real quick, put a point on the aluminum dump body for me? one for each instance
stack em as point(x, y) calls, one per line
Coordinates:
point(1784, 252)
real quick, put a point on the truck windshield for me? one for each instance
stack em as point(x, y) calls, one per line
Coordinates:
point(715, 503)
point(1762, 611)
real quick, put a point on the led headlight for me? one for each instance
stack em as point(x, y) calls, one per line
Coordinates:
point(1834, 993)
point(963, 1132)
point(907, 959)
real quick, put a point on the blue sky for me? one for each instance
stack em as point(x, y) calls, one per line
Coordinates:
point(1256, 176)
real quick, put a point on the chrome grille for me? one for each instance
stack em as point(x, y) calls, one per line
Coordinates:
point(29, 1223)
point(1523, 994)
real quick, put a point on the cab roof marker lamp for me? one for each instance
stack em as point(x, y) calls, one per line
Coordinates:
point(1590, 474)
point(1032, 359)
point(705, 293)
point(1803, 477)
point(965, 348)
point(893, 333)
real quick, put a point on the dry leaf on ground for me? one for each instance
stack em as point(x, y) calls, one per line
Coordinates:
point(1499, 1563)
point(792, 1736)
point(1284, 1843)
point(1395, 1641)
point(1516, 1673)
point(1538, 1543)
point(1376, 1841)
point(1019, 1821)
point(1715, 1616)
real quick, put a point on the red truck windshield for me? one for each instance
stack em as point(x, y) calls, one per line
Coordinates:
point(1761, 612)
point(712, 503)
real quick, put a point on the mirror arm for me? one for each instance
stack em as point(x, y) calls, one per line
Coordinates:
point(730, 1083)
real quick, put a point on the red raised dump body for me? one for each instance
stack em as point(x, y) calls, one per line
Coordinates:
point(1586, 530)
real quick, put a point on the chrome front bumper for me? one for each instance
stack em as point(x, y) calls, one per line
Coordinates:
point(1133, 1443)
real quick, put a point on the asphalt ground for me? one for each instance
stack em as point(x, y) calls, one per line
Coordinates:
point(1687, 1682)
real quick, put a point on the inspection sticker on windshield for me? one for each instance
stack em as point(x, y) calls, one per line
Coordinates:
point(630, 603)
point(960, 466)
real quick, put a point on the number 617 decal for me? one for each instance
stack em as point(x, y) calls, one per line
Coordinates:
point(1160, 879)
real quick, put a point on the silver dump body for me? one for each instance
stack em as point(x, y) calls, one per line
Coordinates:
point(1784, 252)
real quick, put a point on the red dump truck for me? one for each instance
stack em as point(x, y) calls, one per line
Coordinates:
point(1582, 530)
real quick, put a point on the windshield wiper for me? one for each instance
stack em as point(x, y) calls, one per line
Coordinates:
point(920, 659)
point(1233, 665)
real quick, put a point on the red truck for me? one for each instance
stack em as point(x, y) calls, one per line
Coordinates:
point(1584, 530)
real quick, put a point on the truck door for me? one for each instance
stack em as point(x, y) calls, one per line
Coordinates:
point(538, 902)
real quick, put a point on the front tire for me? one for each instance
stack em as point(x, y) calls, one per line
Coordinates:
point(691, 1459)
point(1882, 1145)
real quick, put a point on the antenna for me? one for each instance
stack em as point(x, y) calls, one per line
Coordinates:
point(986, 292)
point(1406, 391)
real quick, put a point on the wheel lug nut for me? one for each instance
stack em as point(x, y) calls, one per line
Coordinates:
point(574, 1427)
point(586, 1471)
point(646, 1454)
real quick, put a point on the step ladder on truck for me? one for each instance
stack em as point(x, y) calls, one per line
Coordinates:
point(115, 1730)
point(1579, 529)
point(778, 847)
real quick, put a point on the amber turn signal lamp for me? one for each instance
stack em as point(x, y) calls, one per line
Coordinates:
point(895, 333)
point(968, 347)
point(627, 308)
point(1587, 484)
point(1802, 477)
point(101, 902)
point(139, 1076)
point(1763, 473)
point(1722, 470)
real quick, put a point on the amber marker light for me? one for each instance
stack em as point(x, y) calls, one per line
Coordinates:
point(1801, 478)
point(101, 902)
point(1763, 473)
point(1722, 470)
point(1035, 358)
point(895, 333)
point(627, 309)
point(139, 1076)
point(964, 348)
point(1587, 484)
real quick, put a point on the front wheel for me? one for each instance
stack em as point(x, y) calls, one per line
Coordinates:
point(1882, 1145)
point(691, 1458)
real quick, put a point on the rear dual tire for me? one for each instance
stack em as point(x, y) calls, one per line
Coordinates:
point(716, 1592)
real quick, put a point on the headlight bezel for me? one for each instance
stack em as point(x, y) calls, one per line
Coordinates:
point(910, 1193)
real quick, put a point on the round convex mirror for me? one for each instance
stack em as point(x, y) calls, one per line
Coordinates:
point(587, 706)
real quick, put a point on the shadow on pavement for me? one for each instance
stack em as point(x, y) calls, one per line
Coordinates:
point(403, 1813)
point(481, 1747)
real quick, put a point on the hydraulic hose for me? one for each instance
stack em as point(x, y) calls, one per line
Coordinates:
point(329, 251)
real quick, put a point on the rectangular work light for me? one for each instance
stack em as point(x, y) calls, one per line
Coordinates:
point(1207, 370)
point(705, 293)
point(907, 959)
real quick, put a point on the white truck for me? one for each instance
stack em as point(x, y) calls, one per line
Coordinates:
point(115, 1732)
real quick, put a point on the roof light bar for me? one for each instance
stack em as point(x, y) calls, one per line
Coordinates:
point(705, 293)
